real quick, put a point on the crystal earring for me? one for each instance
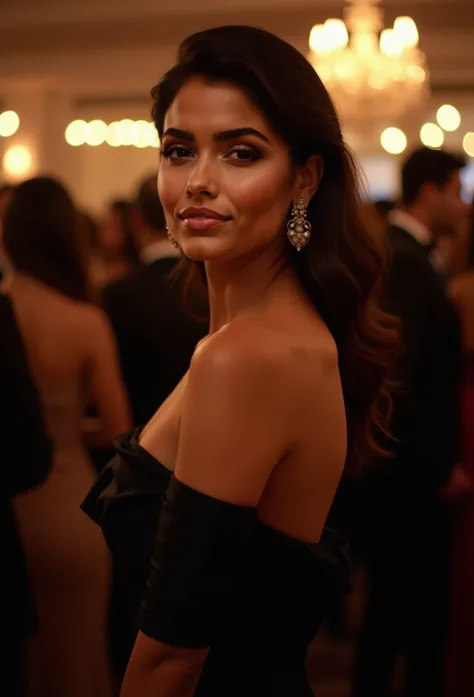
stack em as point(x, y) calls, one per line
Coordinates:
point(298, 228)
point(171, 238)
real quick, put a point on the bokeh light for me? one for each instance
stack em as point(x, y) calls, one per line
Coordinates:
point(393, 140)
point(448, 117)
point(76, 132)
point(431, 135)
point(17, 161)
point(9, 123)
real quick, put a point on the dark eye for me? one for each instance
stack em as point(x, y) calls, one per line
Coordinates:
point(176, 152)
point(244, 154)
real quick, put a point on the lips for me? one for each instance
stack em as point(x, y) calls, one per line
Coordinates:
point(199, 212)
point(200, 218)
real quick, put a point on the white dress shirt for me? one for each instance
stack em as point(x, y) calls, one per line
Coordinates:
point(407, 222)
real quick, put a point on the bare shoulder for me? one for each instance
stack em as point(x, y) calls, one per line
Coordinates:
point(238, 346)
point(257, 354)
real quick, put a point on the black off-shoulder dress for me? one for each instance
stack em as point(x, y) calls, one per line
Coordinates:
point(205, 573)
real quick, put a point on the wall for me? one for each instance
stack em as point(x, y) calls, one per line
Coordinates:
point(65, 60)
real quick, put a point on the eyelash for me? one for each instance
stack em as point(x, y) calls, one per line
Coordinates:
point(254, 155)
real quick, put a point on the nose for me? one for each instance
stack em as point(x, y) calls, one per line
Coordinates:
point(202, 180)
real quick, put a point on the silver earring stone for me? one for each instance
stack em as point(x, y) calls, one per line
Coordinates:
point(298, 227)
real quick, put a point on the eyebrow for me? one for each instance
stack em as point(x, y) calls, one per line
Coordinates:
point(232, 134)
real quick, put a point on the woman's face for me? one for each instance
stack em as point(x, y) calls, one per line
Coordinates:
point(225, 178)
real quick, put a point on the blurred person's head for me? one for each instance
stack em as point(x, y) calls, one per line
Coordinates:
point(40, 237)
point(431, 189)
point(6, 192)
point(116, 236)
point(88, 231)
point(247, 128)
point(150, 222)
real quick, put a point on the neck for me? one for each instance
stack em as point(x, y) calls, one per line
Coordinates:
point(242, 287)
point(420, 214)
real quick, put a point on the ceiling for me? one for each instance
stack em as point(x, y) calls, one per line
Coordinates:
point(87, 43)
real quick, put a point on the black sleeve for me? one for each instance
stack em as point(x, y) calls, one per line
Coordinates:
point(426, 406)
point(200, 546)
point(27, 449)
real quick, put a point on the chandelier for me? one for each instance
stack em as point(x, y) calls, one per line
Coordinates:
point(376, 76)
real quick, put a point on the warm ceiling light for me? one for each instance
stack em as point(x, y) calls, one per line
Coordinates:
point(336, 33)
point(407, 30)
point(431, 135)
point(468, 143)
point(76, 132)
point(393, 140)
point(9, 123)
point(17, 162)
point(96, 132)
point(448, 117)
point(152, 136)
point(391, 43)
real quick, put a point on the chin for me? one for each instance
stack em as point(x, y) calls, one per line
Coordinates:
point(204, 249)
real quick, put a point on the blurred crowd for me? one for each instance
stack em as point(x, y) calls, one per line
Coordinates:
point(98, 327)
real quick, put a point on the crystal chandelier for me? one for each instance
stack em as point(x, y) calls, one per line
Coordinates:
point(376, 76)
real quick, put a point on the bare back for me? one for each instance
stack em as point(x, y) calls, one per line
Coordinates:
point(66, 342)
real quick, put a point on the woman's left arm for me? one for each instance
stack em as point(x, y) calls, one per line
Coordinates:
point(234, 430)
point(158, 670)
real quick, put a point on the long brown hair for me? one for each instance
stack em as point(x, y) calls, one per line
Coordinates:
point(342, 266)
point(40, 235)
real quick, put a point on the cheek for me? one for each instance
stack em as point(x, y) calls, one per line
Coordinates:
point(170, 189)
point(267, 191)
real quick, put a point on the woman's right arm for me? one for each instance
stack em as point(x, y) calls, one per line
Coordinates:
point(106, 388)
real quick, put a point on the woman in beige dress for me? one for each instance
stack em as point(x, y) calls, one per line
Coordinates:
point(74, 361)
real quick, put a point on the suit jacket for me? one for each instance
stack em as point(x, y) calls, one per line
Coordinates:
point(156, 337)
point(399, 497)
point(25, 460)
point(426, 418)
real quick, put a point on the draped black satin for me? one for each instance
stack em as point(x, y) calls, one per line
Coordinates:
point(211, 574)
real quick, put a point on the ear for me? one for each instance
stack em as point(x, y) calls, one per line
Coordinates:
point(308, 178)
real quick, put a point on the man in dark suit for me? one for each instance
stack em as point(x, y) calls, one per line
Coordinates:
point(156, 336)
point(406, 533)
point(25, 461)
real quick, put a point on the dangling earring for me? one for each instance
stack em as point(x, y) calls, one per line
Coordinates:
point(171, 238)
point(298, 228)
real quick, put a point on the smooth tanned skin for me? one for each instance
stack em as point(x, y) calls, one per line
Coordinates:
point(259, 418)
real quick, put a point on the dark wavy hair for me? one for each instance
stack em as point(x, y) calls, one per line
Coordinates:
point(342, 267)
point(40, 235)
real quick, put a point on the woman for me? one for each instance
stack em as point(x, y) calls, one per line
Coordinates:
point(460, 667)
point(247, 452)
point(73, 359)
